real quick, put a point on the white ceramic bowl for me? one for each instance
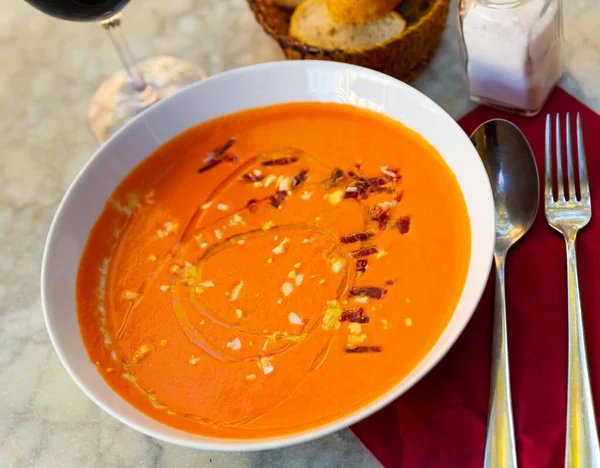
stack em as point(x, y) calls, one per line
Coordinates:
point(223, 94)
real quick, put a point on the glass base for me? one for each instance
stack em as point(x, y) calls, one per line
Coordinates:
point(116, 101)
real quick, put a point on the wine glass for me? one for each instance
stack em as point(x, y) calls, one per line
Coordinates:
point(137, 86)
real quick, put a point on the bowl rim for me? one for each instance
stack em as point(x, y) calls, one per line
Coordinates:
point(272, 442)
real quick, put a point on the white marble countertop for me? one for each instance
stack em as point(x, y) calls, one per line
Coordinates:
point(48, 71)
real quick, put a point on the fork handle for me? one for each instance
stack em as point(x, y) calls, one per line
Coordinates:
point(500, 451)
point(582, 450)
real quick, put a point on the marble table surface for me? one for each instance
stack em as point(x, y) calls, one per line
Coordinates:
point(49, 69)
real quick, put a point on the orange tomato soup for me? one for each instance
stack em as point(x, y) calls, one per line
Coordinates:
point(273, 270)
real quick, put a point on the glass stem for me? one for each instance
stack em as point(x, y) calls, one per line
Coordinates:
point(112, 26)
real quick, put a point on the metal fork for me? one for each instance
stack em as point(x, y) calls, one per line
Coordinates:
point(568, 213)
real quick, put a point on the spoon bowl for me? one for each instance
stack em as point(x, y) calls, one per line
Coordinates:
point(513, 174)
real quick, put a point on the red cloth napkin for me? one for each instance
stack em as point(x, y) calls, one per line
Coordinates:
point(441, 421)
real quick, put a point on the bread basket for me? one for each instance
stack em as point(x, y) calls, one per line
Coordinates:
point(403, 58)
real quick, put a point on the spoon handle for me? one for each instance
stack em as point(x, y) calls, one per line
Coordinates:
point(500, 451)
point(582, 436)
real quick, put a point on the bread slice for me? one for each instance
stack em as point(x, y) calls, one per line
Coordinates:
point(288, 3)
point(359, 11)
point(312, 25)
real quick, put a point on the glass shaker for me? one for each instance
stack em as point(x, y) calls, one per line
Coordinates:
point(511, 52)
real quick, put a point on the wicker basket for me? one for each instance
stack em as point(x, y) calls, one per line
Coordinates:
point(404, 58)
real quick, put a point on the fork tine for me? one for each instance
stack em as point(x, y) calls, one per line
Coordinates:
point(560, 192)
point(570, 165)
point(548, 176)
point(584, 185)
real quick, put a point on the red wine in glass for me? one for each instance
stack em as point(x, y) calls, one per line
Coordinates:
point(80, 10)
point(137, 86)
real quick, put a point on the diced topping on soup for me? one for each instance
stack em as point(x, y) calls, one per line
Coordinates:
point(218, 155)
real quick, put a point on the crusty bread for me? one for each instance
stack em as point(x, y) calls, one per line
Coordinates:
point(359, 11)
point(288, 3)
point(312, 25)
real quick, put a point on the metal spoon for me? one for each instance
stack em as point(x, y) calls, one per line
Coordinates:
point(513, 174)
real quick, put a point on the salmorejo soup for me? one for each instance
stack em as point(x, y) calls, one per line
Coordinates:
point(273, 270)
